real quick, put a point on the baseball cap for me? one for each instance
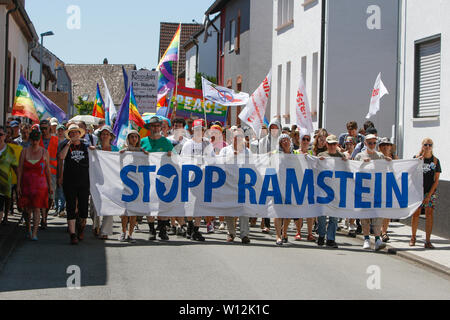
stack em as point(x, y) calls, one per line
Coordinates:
point(14, 124)
point(60, 127)
point(332, 139)
point(350, 139)
point(153, 120)
point(200, 123)
point(385, 141)
point(54, 122)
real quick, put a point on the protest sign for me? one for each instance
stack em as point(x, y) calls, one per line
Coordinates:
point(145, 86)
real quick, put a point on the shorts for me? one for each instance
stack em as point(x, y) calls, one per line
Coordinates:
point(376, 222)
point(432, 203)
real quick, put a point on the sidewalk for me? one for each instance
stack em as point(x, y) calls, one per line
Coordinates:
point(400, 235)
point(9, 236)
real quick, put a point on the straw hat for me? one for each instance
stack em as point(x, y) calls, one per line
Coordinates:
point(74, 127)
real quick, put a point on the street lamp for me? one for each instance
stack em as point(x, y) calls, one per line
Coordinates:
point(48, 33)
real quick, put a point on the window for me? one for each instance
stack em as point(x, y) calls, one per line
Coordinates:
point(285, 12)
point(427, 93)
point(232, 35)
point(279, 91)
point(287, 105)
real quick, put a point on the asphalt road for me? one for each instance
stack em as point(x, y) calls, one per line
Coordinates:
point(181, 269)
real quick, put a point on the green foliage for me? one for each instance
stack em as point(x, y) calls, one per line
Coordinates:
point(84, 107)
point(198, 80)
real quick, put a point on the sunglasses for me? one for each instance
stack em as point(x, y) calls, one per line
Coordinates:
point(306, 139)
point(428, 145)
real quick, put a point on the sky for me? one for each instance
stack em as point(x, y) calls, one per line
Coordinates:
point(124, 32)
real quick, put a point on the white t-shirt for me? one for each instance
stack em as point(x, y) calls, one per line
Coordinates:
point(192, 148)
point(229, 151)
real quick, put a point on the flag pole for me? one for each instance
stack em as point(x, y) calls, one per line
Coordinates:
point(178, 68)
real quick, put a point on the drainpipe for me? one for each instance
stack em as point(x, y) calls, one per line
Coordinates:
point(5, 102)
point(322, 65)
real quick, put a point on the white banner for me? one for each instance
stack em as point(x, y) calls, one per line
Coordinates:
point(223, 96)
point(253, 114)
point(303, 110)
point(273, 185)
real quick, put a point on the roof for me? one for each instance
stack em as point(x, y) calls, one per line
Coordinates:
point(217, 6)
point(190, 42)
point(86, 76)
point(168, 30)
point(22, 19)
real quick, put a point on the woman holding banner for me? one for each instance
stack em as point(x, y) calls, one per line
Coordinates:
point(134, 145)
point(305, 140)
point(431, 173)
point(106, 135)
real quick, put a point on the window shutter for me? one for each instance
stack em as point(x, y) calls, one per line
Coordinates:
point(429, 76)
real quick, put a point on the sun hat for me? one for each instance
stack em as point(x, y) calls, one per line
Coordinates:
point(332, 139)
point(74, 127)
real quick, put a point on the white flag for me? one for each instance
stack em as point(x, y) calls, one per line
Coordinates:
point(303, 111)
point(253, 113)
point(109, 105)
point(378, 92)
point(223, 96)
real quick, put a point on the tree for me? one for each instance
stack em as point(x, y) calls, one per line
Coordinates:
point(84, 107)
point(198, 80)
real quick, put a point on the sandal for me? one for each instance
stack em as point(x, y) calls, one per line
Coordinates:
point(385, 238)
point(311, 238)
point(298, 237)
point(266, 230)
point(279, 242)
point(428, 245)
point(412, 243)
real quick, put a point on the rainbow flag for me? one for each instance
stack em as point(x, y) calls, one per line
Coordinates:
point(167, 80)
point(99, 105)
point(31, 103)
point(128, 119)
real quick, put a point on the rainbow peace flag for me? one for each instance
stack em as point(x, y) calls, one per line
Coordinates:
point(128, 119)
point(31, 103)
point(167, 80)
point(99, 105)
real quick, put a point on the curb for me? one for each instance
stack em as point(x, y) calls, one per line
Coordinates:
point(9, 244)
point(408, 255)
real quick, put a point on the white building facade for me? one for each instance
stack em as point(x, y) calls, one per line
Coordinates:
point(296, 51)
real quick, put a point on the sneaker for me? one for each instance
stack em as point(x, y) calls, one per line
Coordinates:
point(332, 244)
point(321, 241)
point(222, 226)
point(136, 228)
point(131, 240)
point(285, 240)
point(181, 231)
point(152, 236)
point(163, 234)
point(245, 240)
point(379, 244)
point(197, 236)
point(366, 245)
point(73, 239)
point(210, 228)
point(172, 231)
point(123, 237)
point(230, 238)
point(190, 229)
